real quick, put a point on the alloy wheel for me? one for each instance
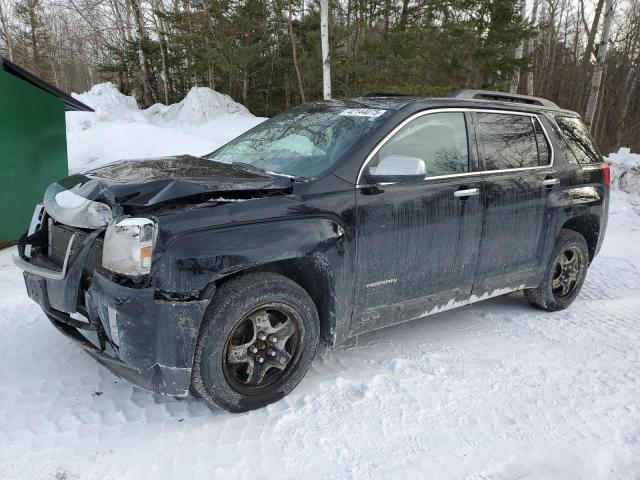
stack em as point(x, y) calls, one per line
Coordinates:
point(262, 348)
point(568, 271)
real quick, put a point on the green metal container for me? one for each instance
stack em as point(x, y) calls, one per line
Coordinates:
point(33, 144)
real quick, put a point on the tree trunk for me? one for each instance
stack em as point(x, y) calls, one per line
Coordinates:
point(596, 78)
point(531, 46)
point(404, 15)
point(245, 89)
point(513, 88)
point(287, 101)
point(164, 51)
point(629, 86)
point(294, 51)
point(591, 35)
point(586, 56)
point(324, 34)
point(34, 34)
point(148, 95)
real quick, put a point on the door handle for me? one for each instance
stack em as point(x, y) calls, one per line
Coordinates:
point(547, 182)
point(466, 193)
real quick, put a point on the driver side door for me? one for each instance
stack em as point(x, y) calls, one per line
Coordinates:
point(419, 213)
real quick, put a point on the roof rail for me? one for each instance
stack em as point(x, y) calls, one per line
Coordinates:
point(502, 97)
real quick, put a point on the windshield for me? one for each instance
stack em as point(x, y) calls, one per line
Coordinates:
point(302, 142)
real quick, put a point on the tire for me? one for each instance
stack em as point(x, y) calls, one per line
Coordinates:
point(226, 369)
point(559, 288)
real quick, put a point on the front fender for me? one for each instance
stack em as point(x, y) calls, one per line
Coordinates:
point(194, 260)
point(191, 262)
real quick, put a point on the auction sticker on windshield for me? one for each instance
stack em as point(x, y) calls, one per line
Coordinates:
point(362, 112)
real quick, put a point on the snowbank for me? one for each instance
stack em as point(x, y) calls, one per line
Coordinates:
point(625, 169)
point(110, 106)
point(200, 105)
point(118, 129)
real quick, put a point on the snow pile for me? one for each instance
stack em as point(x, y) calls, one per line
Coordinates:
point(118, 129)
point(200, 105)
point(110, 106)
point(625, 169)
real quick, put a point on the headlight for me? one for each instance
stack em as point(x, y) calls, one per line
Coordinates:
point(128, 246)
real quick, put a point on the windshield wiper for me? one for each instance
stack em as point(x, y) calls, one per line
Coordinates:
point(262, 171)
point(251, 168)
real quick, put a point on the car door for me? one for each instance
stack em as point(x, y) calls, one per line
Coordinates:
point(518, 176)
point(419, 209)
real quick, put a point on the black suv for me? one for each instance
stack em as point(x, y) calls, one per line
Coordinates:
point(218, 276)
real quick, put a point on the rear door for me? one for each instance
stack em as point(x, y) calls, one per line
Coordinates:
point(418, 229)
point(518, 177)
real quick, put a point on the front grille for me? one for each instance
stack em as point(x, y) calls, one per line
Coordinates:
point(60, 236)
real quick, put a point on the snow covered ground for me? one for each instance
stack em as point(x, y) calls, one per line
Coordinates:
point(495, 391)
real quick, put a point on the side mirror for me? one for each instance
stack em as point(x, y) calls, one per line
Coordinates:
point(398, 168)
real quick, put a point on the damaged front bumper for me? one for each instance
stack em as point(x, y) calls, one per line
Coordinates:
point(148, 341)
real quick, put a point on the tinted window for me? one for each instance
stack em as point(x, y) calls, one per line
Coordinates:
point(509, 141)
point(439, 140)
point(579, 140)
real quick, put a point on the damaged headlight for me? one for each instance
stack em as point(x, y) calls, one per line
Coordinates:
point(128, 246)
point(72, 207)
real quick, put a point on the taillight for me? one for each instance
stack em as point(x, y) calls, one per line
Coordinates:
point(606, 174)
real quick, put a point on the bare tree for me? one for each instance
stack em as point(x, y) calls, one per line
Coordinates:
point(591, 32)
point(631, 59)
point(596, 79)
point(5, 12)
point(294, 51)
point(161, 29)
point(148, 95)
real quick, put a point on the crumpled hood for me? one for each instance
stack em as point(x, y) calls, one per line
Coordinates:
point(145, 183)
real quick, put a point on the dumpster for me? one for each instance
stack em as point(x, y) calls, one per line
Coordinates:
point(33, 144)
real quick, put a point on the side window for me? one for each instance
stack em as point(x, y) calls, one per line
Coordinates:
point(511, 141)
point(431, 145)
point(579, 140)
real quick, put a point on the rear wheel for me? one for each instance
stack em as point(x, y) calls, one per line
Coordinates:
point(565, 273)
point(257, 341)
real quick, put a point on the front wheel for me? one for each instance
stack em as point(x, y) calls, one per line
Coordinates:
point(257, 341)
point(564, 275)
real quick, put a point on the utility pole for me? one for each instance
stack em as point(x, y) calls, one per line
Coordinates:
point(324, 37)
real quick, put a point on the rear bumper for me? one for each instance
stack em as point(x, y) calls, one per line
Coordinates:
point(145, 340)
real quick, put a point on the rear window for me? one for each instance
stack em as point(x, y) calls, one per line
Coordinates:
point(512, 141)
point(578, 139)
